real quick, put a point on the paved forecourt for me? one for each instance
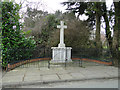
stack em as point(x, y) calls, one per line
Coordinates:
point(25, 76)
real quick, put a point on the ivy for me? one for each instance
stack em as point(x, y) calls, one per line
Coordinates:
point(15, 46)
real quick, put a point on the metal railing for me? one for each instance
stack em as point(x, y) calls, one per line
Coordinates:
point(42, 56)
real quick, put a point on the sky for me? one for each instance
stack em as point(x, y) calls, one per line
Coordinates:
point(47, 5)
point(55, 5)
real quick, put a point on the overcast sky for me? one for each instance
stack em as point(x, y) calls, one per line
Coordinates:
point(47, 5)
point(52, 5)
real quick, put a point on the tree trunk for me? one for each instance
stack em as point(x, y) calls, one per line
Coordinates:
point(98, 24)
point(98, 42)
point(107, 29)
point(115, 45)
point(108, 32)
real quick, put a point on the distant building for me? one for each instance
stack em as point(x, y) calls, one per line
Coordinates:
point(102, 37)
point(92, 36)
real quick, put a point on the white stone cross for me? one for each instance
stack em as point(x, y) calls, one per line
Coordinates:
point(62, 27)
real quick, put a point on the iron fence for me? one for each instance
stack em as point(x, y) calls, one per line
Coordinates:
point(92, 53)
point(41, 57)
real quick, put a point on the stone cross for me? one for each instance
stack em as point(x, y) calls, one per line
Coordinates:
point(62, 27)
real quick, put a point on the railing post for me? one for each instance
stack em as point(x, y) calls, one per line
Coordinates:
point(49, 58)
point(80, 63)
point(48, 64)
point(66, 58)
point(44, 51)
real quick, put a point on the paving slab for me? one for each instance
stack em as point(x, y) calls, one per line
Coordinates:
point(78, 75)
point(96, 75)
point(32, 69)
point(109, 71)
point(50, 77)
point(106, 68)
point(60, 71)
point(44, 68)
point(74, 69)
point(14, 74)
point(52, 71)
point(32, 73)
point(48, 72)
point(30, 78)
point(65, 76)
point(113, 74)
point(12, 79)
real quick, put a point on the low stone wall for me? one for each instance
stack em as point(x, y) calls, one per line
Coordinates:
point(12, 66)
point(92, 60)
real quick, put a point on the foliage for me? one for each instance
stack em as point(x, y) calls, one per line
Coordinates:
point(0, 31)
point(46, 34)
point(76, 35)
point(33, 16)
point(48, 28)
point(15, 46)
point(81, 8)
point(44, 24)
point(94, 12)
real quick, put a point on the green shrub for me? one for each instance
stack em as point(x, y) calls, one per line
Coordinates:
point(15, 46)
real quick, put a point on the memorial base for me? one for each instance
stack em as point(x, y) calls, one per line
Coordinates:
point(61, 54)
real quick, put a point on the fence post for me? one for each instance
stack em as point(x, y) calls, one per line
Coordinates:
point(49, 57)
point(48, 64)
point(66, 58)
point(80, 63)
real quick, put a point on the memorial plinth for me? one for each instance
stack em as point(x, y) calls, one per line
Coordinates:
point(61, 54)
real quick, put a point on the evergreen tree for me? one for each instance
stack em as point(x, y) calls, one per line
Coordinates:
point(15, 46)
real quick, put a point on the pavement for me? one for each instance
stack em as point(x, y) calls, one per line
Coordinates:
point(31, 75)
